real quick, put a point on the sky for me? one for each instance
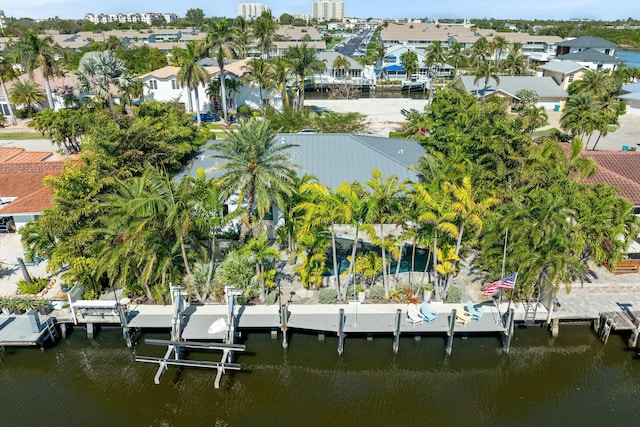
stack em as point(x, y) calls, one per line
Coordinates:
point(501, 9)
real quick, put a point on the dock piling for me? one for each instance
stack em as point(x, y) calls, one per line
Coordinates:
point(452, 325)
point(509, 331)
point(633, 340)
point(396, 333)
point(283, 325)
point(341, 321)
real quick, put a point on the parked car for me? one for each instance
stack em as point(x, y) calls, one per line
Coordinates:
point(207, 117)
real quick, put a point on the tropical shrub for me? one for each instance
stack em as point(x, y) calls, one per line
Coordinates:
point(376, 292)
point(37, 284)
point(454, 295)
point(327, 296)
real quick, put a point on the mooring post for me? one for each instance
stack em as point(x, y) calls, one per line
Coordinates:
point(63, 330)
point(396, 332)
point(341, 332)
point(283, 325)
point(90, 330)
point(452, 325)
point(633, 340)
point(509, 331)
point(555, 327)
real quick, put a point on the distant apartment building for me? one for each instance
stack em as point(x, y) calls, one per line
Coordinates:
point(3, 21)
point(327, 10)
point(251, 10)
point(147, 18)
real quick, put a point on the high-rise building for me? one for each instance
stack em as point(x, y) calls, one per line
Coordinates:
point(326, 10)
point(250, 10)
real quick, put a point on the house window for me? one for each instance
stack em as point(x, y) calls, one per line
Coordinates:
point(570, 78)
point(153, 84)
point(4, 109)
point(175, 84)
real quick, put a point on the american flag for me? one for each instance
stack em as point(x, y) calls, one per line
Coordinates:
point(508, 282)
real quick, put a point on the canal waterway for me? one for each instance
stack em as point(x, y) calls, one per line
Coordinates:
point(630, 57)
point(572, 380)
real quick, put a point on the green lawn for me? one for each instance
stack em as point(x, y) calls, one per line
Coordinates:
point(21, 136)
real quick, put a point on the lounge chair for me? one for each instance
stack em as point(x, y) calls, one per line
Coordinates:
point(476, 313)
point(462, 317)
point(427, 312)
point(413, 316)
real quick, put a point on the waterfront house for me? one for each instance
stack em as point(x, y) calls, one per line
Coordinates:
point(594, 53)
point(23, 196)
point(563, 72)
point(550, 94)
point(163, 85)
point(356, 74)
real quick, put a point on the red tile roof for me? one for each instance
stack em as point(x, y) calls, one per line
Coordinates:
point(21, 176)
point(618, 168)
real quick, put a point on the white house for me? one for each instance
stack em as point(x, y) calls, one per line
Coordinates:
point(594, 53)
point(393, 68)
point(550, 94)
point(631, 97)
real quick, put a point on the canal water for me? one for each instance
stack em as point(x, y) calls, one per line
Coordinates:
point(630, 57)
point(572, 380)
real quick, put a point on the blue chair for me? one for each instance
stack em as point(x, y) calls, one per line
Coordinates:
point(625, 148)
point(427, 312)
point(476, 313)
point(556, 108)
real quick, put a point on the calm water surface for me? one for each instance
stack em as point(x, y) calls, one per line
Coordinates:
point(631, 58)
point(571, 381)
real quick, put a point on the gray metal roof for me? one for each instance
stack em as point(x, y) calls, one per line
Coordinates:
point(590, 55)
point(563, 67)
point(588, 42)
point(337, 158)
point(631, 87)
point(545, 87)
point(328, 57)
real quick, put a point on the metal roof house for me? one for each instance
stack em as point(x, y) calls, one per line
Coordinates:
point(334, 159)
point(563, 72)
point(594, 53)
point(549, 92)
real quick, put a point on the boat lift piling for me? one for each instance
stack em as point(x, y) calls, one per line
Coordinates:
point(508, 332)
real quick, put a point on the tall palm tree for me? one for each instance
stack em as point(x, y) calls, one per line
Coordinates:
point(26, 93)
point(342, 65)
point(257, 168)
point(96, 73)
point(221, 44)
point(456, 54)
point(598, 83)
point(496, 46)
point(7, 73)
point(33, 51)
point(264, 28)
point(258, 74)
point(304, 61)
point(436, 54)
point(479, 51)
point(280, 72)
point(233, 86)
point(213, 92)
point(245, 35)
point(382, 198)
point(515, 63)
point(192, 74)
point(381, 52)
point(485, 72)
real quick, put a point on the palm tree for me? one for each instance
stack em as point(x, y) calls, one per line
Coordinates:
point(496, 46)
point(258, 74)
point(409, 61)
point(257, 168)
point(245, 35)
point(456, 54)
point(233, 86)
point(7, 73)
point(341, 64)
point(97, 71)
point(486, 71)
point(264, 29)
point(479, 51)
point(213, 92)
point(599, 83)
point(515, 63)
point(221, 45)
point(192, 74)
point(261, 252)
point(280, 74)
point(303, 60)
point(578, 116)
point(436, 54)
point(381, 52)
point(26, 93)
point(32, 52)
point(380, 208)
